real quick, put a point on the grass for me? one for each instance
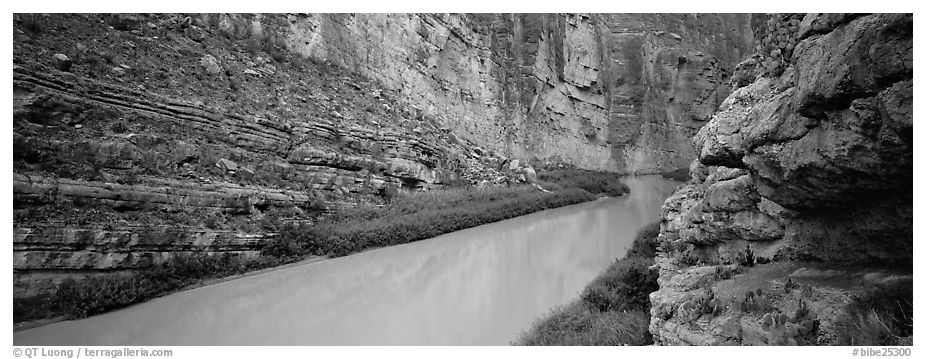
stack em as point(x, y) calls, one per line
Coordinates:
point(406, 218)
point(625, 286)
point(102, 293)
point(645, 244)
point(580, 325)
point(678, 174)
point(880, 316)
point(613, 309)
point(415, 216)
point(607, 183)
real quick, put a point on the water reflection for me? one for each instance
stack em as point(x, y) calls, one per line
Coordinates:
point(480, 286)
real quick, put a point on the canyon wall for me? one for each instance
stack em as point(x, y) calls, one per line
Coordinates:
point(801, 193)
point(600, 91)
point(140, 137)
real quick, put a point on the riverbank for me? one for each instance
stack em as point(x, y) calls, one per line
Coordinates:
point(463, 288)
point(405, 218)
point(612, 310)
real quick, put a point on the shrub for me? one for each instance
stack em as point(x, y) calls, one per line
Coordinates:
point(579, 325)
point(212, 222)
point(389, 192)
point(678, 174)
point(30, 23)
point(28, 308)
point(97, 294)
point(271, 221)
point(645, 243)
point(613, 309)
point(421, 215)
point(338, 246)
point(275, 47)
point(27, 151)
point(597, 182)
point(292, 241)
point(625, 285)
point(119, 127)
point(458, 182)
point(881, 316)
point(409, 217)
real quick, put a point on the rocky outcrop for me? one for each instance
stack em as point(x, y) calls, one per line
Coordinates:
point(225, 197)
point(44, 256)
point(801, 189)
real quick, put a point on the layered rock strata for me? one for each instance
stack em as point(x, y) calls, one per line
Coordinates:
point(114, 171)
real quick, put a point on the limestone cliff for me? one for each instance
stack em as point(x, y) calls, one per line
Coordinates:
point(600, 91)
point(801, 194)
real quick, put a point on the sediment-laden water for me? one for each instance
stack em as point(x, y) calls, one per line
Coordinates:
point(480, 286)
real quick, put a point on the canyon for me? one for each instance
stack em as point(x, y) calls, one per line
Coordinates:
point(141, 137)
point(138, 138)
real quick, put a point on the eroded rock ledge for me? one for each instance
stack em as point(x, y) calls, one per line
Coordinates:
point(805, 171)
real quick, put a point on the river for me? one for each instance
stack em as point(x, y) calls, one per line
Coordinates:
point(480, 286)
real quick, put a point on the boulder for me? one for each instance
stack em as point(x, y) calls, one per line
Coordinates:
point(246, 172)
point(62, 62)
point(541, 189)
point(530, 174)
point(210, 64)
point(227, 165)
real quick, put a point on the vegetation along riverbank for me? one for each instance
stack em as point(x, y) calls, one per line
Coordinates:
point(613, 309)
point(403, 218)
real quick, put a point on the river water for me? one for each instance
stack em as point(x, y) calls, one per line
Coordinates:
point(480, 286)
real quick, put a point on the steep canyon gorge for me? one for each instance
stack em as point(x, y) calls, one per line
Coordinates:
point(140, 137)
point(137, 137)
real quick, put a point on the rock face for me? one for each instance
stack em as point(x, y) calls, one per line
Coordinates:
point(183, 151)
point(600, 91)
point(808, 166)
point(684, 65)
point(89, 185)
